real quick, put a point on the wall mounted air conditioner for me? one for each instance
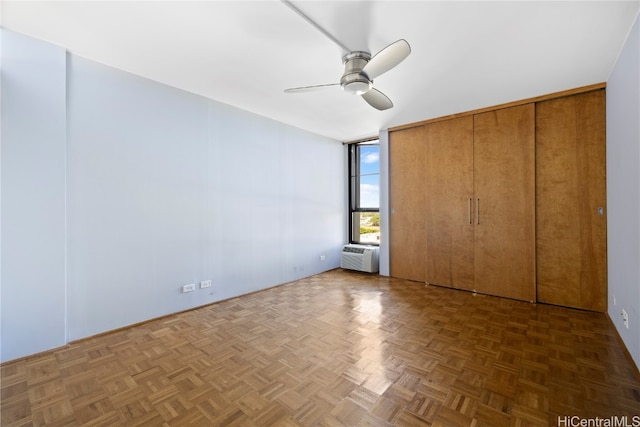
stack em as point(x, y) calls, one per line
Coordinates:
point(360, 258)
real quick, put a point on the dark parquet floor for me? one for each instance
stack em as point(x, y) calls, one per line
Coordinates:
point(337, 349)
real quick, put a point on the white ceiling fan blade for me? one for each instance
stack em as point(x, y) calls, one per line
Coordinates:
point(387, 58)
point(309, 88)
point(377, 99)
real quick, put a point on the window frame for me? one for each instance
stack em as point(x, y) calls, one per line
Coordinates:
point(354, 160)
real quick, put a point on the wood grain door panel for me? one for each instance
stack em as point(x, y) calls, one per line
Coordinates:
point(407, 199)
point(504, 196)
point(448, 208)
point(571, 187)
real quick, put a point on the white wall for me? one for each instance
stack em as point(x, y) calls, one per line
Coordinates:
point(166, 188)
point(32, 218)
point(623, 191)
point(384, 261)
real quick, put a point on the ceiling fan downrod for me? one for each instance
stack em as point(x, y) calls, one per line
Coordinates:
point(318, 27)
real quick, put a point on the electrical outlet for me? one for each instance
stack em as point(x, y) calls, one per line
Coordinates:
point(189, 288)
point(205, 284)
point(625, 318)
point(322, 258)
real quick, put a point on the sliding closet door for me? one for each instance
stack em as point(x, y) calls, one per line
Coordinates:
point(406, 193)
point(504, 202)
point(449, 208)
point(571, 201)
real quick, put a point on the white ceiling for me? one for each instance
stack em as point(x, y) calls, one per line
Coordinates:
point(465, 55)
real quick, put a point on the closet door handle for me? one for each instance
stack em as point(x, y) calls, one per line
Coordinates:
point(478, 211)
point(469, 209)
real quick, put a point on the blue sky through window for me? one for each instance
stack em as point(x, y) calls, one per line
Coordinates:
point(369, 176)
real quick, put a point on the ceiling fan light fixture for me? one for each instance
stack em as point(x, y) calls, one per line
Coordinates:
point(358, 87)
point(356, 83)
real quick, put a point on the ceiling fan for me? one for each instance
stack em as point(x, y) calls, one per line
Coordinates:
point(360, 68)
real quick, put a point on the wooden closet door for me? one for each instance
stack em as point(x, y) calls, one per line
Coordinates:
point(504, 181)
point(571, 188)
point(448, 208)
point(406, 194)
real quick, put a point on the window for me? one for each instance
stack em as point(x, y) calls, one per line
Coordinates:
point(364, 192)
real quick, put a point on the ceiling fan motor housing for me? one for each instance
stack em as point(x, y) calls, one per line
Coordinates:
point(354, 80)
